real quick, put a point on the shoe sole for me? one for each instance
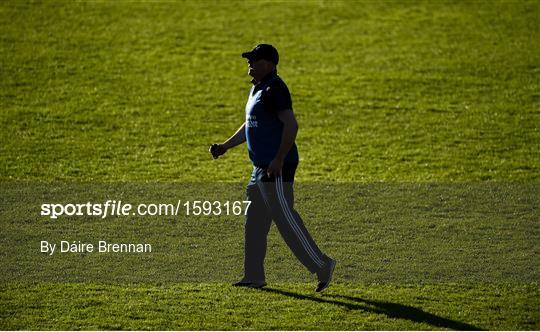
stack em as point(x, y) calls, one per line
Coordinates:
point(333, 266)
point(257, 286)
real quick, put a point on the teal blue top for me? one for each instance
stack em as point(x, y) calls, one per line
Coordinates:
point(263, 127)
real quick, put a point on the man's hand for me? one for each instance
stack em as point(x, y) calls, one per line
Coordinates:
point(217, 150)
point(275, 167)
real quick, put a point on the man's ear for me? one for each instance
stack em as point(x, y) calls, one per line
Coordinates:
point(270, 66)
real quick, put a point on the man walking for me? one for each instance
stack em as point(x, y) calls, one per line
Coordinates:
point(270, 132)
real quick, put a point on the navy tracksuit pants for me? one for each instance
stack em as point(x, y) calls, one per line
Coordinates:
point(272, 198)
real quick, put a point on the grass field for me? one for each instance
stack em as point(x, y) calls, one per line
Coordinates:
point(394, 92)
point(286, 306)
point(420, 166)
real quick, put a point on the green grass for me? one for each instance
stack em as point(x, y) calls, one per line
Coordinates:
point(427, 91)
point(420, 167)
point(398, 233)
point(350, 306)
point(410, 256)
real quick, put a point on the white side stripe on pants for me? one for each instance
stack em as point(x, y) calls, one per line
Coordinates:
point(290, 218)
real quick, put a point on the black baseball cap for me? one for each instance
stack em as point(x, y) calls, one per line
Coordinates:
point(263, 51)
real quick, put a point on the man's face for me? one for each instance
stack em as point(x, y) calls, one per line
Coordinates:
point(258, 68)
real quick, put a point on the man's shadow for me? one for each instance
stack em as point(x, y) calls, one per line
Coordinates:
point(392, 310)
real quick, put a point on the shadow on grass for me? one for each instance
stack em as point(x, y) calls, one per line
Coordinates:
point(392, 310)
